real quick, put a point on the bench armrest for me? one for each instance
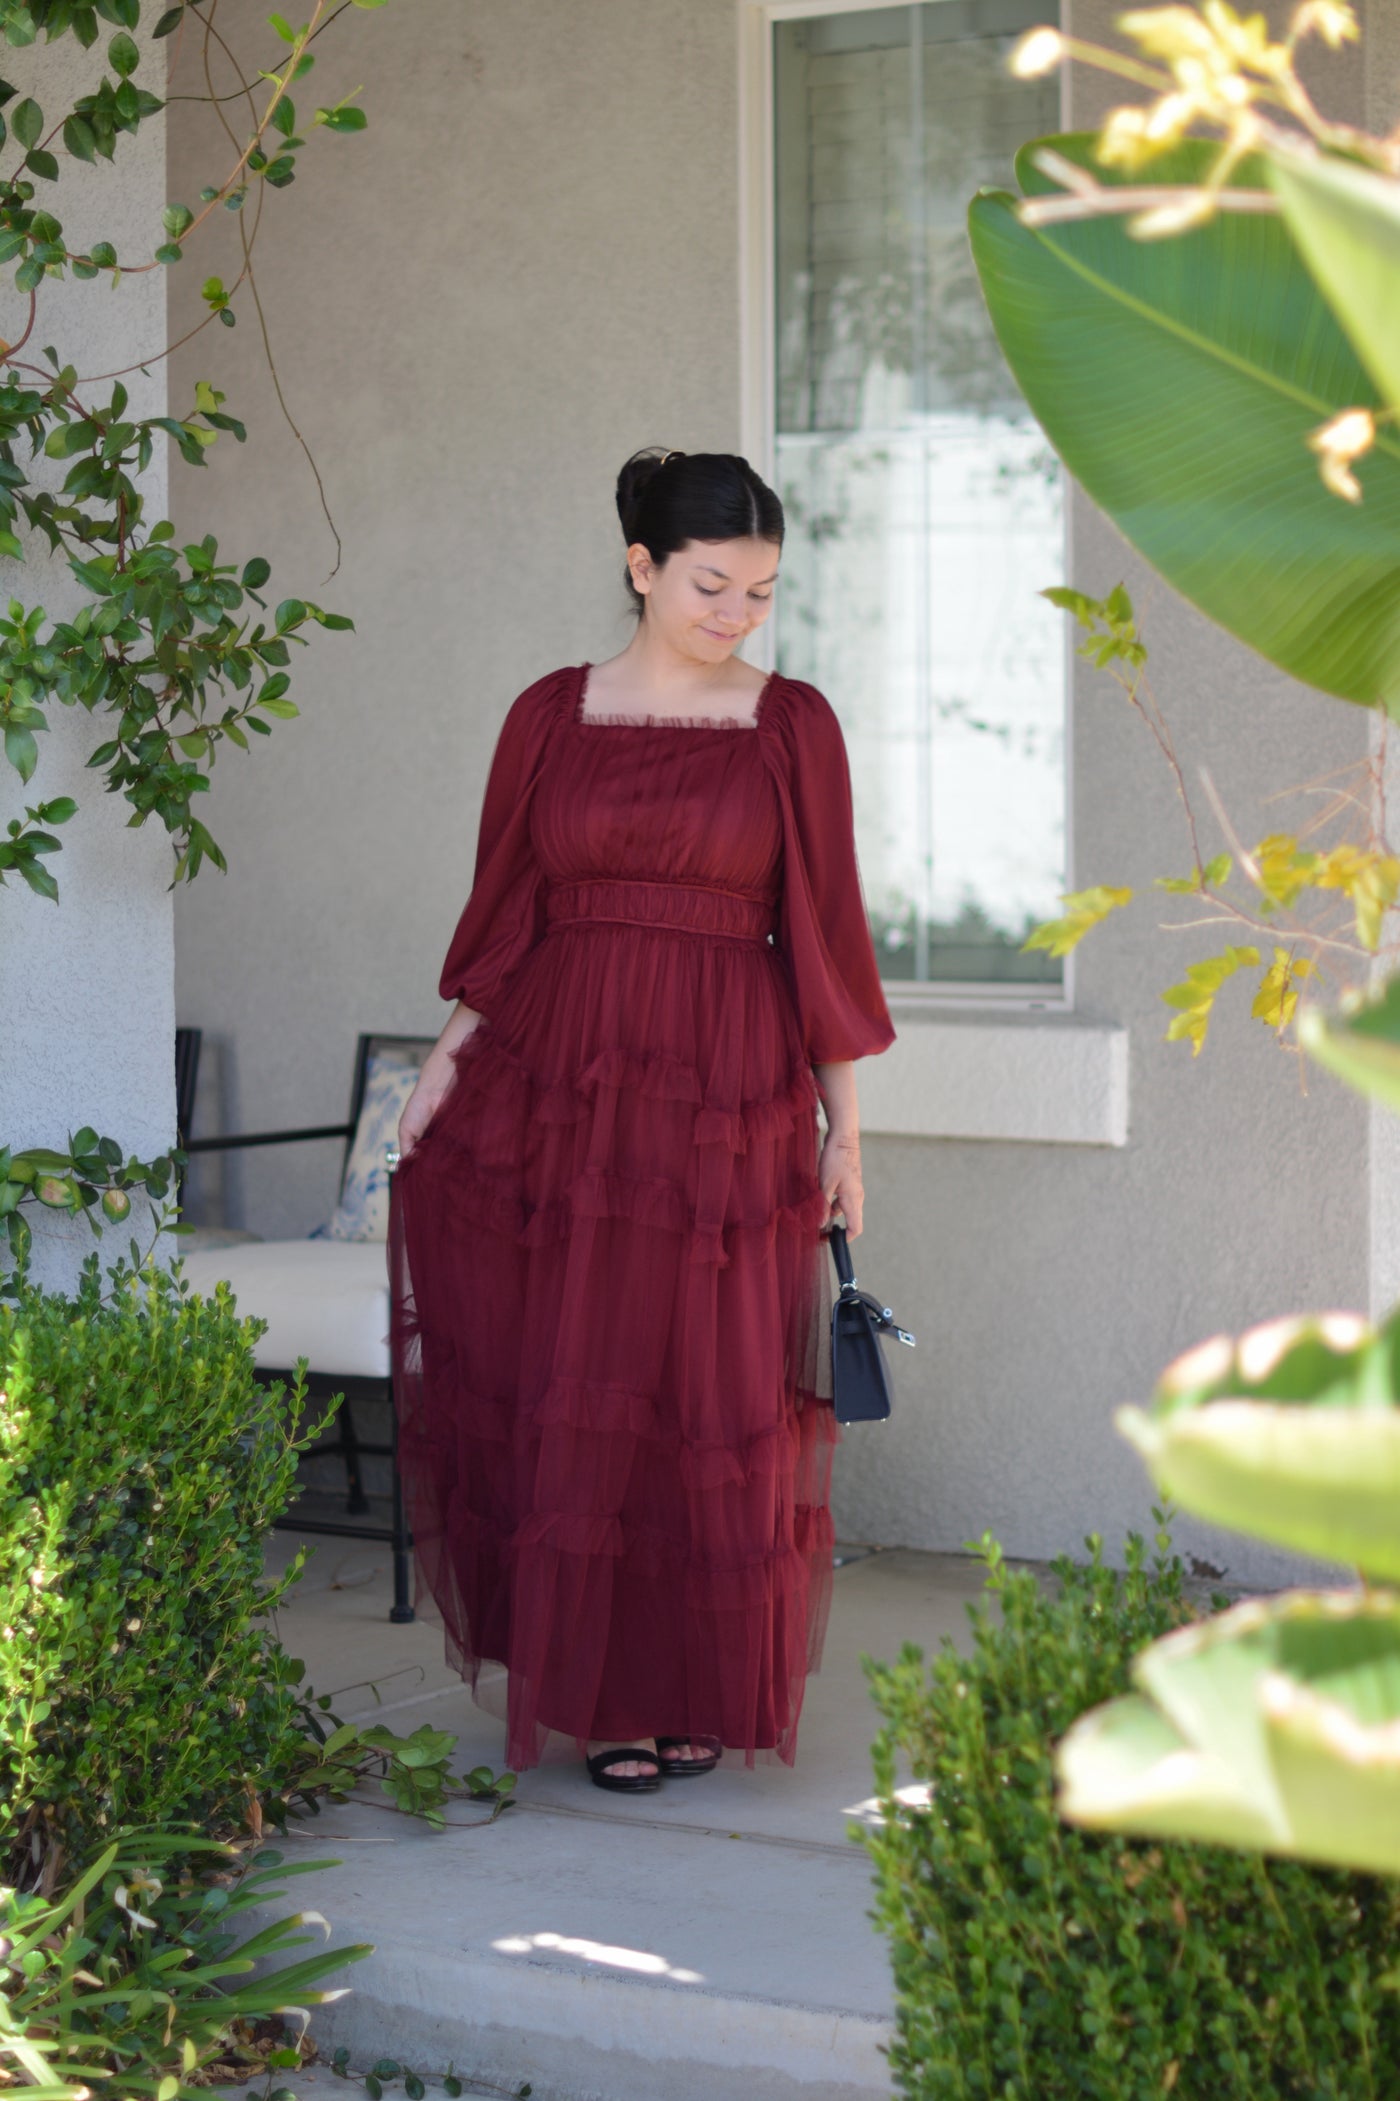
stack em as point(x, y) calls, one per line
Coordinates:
point(226, 1145)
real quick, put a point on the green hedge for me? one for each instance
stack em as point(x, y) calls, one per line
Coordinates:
point(141, 1464)
point(1034, 1962)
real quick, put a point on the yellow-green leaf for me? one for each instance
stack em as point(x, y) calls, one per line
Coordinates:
point(1284, 868)
point(1210, 876)
point(1369, 879)
point(1084, 910)
point(1277, 997)
point(1195, 996)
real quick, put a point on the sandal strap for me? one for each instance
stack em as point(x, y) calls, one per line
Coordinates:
point(604, 1761)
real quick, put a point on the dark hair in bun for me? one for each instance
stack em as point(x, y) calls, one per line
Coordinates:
point(665, 499)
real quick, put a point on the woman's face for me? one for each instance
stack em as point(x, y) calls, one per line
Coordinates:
point(706, 597)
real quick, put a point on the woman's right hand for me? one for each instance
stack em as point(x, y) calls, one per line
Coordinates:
point(437, 1079)
point(420, 1109)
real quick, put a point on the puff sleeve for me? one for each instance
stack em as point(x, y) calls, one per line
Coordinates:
point(823, 932)
point(504, 916)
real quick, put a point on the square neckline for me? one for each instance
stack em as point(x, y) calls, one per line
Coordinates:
point(670, 722)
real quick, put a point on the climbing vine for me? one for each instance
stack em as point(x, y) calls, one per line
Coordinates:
point(174, 652)
point(1317, 901)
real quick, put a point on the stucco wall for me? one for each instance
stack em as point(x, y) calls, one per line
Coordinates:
point(86, 986)
point(527, 267)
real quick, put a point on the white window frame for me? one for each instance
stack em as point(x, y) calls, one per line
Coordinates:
point(758, 424)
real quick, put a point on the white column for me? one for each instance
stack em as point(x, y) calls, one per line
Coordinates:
point(87, 997)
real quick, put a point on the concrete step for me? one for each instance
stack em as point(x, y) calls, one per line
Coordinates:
point(710, 1942)
point(607, 1958)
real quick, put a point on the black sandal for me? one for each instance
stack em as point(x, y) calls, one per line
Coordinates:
point(600, 1769)
point(689, 1765)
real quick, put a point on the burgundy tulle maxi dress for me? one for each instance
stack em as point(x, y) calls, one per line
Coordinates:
point(609, 1281)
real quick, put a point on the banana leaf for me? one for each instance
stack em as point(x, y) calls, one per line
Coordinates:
point(1179, 381)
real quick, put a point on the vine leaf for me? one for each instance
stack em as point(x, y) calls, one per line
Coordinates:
point(1277, 997)
point(1212, 876)
point(1195, 996)
point(1085, 909)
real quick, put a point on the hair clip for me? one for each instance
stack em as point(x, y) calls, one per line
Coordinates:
point(669, 456)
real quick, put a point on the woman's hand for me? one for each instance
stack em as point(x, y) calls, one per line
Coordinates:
point(420, 1109)
point(437, 1078)
point(838, 1171)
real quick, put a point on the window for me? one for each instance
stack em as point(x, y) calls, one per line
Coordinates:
point(924, 505)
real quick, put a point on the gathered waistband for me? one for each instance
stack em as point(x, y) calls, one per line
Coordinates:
point(686, 908)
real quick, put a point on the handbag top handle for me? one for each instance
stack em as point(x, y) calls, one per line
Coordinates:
point(845, 1270)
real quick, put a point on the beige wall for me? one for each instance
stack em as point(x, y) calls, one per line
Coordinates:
point(527, 267)
point(86, 1001)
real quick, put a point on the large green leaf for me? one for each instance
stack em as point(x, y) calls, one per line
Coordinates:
point(1179, 380)
point(1307, 1480)
point(1291, 1434)
point(1346, 221)
point(1275, 1726)
point(1361, 1044)
point(1123, 1767)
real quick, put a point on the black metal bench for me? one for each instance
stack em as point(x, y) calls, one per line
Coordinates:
point(357, 1388)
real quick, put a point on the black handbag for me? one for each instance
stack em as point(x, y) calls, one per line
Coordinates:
point(860, 1378)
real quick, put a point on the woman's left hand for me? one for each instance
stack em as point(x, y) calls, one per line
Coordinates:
point(838, 1171)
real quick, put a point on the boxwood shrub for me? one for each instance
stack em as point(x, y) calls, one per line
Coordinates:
point(141, 1464)
point(1034, 1962)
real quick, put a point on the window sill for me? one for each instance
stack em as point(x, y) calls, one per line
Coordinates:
point(1033, 1078)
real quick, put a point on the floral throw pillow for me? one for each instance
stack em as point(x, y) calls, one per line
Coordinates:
point(363, 1210)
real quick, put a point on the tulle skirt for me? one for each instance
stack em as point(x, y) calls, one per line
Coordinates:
point(610, 1296)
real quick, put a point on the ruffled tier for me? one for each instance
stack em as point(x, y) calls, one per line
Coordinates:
point(512, 1203)
point(497, 1070)
point(653, 1557)
point(595, 1409)
point(656, 1205)
point(609, 1295)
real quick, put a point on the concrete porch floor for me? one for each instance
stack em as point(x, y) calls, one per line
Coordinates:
point(710, 1942)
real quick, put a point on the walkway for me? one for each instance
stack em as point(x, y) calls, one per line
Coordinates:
point(710, 1942)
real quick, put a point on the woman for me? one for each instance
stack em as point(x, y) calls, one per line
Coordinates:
point(606, 1247)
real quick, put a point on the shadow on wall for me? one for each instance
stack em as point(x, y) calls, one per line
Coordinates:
point(216, 1190)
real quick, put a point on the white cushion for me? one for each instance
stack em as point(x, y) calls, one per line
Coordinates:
point(363, 1210)
point(325, 1300)
point(202, 1240)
